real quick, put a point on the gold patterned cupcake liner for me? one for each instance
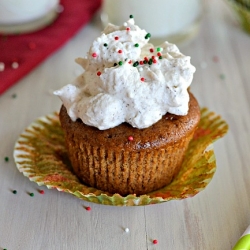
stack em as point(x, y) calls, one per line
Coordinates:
point(40, 154)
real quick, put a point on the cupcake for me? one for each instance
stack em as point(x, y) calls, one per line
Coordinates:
point(129, 117)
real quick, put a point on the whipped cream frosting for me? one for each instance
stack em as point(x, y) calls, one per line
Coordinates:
point(127, 79)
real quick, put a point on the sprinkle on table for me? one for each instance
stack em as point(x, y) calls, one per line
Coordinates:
point(131, 16)
point(126, 230)
point(6, 159)
point(31, 194)
point(88, 208)
point(216, 59)
point(14, 192)
point(222, 76)
point(2, 66)
point(41, 191)
point(99, 73)
point(13, 96)
point(155, 242)
point(15, 65)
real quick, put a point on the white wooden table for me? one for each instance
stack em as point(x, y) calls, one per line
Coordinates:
point(214, 219)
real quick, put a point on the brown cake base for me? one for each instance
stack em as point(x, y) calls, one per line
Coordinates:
point(109, 161)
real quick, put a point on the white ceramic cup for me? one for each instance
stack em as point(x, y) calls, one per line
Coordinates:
point(19, 15)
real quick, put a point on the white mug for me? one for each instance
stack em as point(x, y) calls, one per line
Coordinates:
point(164, 19)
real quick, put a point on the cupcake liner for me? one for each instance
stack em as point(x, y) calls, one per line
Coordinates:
point(242, 11)
point(40, 154)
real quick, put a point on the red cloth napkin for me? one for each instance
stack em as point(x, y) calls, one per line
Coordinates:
point(28, 50)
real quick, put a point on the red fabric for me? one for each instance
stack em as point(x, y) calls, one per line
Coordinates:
point(28, 50)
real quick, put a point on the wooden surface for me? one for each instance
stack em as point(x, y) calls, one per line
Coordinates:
point(214, 219)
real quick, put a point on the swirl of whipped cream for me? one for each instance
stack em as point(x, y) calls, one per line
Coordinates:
point(127, 79)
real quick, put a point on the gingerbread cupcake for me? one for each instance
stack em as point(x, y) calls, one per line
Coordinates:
point(129, 117)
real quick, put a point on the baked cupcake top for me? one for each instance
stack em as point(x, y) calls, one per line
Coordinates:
point(127, 79)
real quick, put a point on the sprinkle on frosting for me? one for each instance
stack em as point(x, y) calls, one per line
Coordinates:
point(130, 138)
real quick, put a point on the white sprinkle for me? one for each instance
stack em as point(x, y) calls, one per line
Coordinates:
point(140, 69)
point(203, 65)
point(59, 8)
point(125, 24)
point(14, 65)
point(2, 66)
point(126, 230)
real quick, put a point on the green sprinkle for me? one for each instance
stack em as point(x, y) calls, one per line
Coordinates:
point(136, 45)
point(14, 191)
point(6, 158)
point(14, 96)
point(160, 57)
point(105, 44)
point(145, 61)
point(148, 36)
point(222, 77)
point(150, 61)
point(115, 64)
point(131, 16)
point(31, 194)
point(158, 49)
point(135, 64)
point(120, 63)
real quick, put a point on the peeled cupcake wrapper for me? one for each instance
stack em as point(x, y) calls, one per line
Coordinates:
point(40, 154)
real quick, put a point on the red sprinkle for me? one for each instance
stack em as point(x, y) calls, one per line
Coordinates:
point(120, 51)
point(155, 242)
point(116, 38)
point(94, 55)
point(154, 61)
point(41, 191)
point(153, 57)
point(99, 73)
point(158, 54)
point(146, 59)
point(142, 79)
point(141, 62)
point(151, 50)
point(215, 58)
point(130, 62)
point(128, 29)
point(130, 138)
point(88, 208)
